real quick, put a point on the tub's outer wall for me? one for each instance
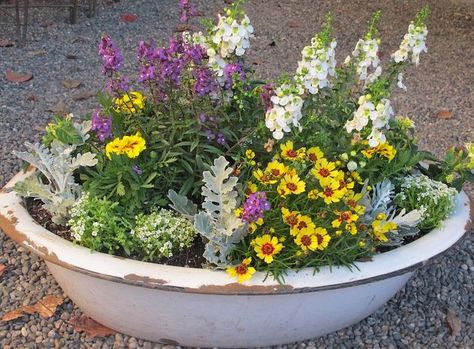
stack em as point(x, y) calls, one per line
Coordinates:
point(203, 320)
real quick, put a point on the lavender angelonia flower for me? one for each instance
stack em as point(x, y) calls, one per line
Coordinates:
point(111, 55)
point(205, 82)
point(101, 125)
point(232, 70)
point(117, 85)
point(254, 207)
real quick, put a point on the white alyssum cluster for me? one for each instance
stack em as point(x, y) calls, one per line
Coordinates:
point(77, 223)
point(379, 115)
point(366, 56)
point(318, 64)
point(413, 43)
point(286, 110)
point(162, 233)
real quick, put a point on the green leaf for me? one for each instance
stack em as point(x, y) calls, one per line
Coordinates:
point(120, 189)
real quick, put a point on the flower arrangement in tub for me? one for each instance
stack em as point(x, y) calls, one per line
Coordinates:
point(310, 170)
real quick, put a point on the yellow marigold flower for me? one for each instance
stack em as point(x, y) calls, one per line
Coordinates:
point(289, 217)
point(243, 271)
point(130, 145)
point(307, 241)
point(305, 224)
point(351, 199)
point(113, 147)
point(344, 217)
point(314, 153)
point(249, 154)
point(330, 190)
point(324, 169)
point(313, 194)
point(263, 177)
point(323, 238)
point(291, 184)
point(287, 151)
point(276, 169)
point(133, 145)
point(267, 246)
point(131, 102)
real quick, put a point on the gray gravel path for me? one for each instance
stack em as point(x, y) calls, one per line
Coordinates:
point(416, 316)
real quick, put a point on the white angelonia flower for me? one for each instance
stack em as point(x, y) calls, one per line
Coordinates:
point(400, 83)
point(232, 37)
point(366, 52)
point(373, 76)
point(413, 43)
point(285, 112)
point(317, 65)
point(379, 115)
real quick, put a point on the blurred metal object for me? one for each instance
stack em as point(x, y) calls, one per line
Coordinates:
point(22, 8)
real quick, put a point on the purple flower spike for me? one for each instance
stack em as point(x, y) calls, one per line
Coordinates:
point(231, 71)
point(111, 55)
point(266, 95)
point(254, 207)
point(117, 85)
point(220, 139)
point(101, 125)
point(205, 82)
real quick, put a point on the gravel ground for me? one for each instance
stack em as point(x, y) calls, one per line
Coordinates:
point(416, 316)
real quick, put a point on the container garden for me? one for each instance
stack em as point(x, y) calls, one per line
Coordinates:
point(238, 213)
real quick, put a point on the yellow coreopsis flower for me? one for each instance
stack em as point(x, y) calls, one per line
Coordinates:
point(344, 217)
point(276, 169)
point(291, 184)
point(380, 227)
point(130, 102)
point(266, 247)
point(251, 188)
point(243, 271)
point(324, 169)
point(351, 199)
point(323, 238)
point(330, 190)
point(249, 154)
point(314, 153)
point(264, 177)
point(289, 217)
point(304, 224)
point(307, 241)
point(288, 152)
point(254, 225)
point(313, 194)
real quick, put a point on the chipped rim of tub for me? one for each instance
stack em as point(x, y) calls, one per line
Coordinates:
point(17, 223)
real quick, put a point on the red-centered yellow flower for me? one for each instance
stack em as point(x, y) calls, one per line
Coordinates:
point(314, 153)
point(324, 169)
point(307, 241)
point(380, 227)
point(351, 199)
point(288, 152)
point(243, 271)
point(344, 184)
point(276, 169)
point(305, 224)
point(251, 188)
point(291, 184)
point(357, 177)
point(323, 238)
point(330, 190)
point(266, 247)
point(385, 150)
point(351, 228)
point(289, 217)
point(344, 217)
point(263, 177)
